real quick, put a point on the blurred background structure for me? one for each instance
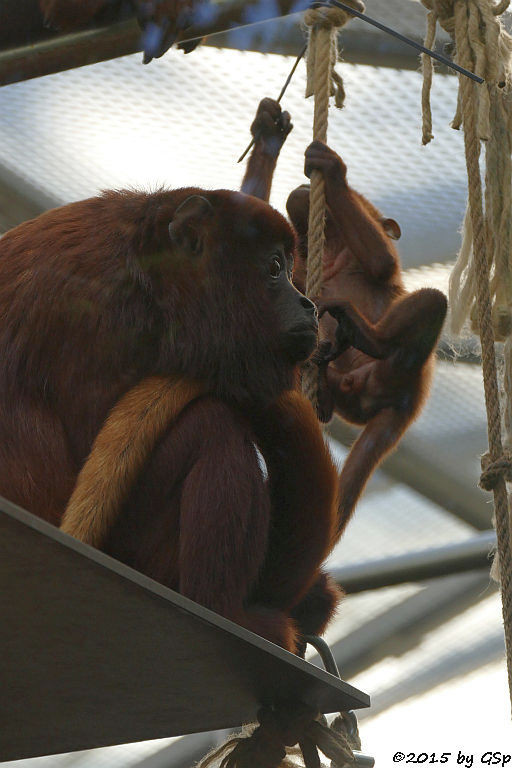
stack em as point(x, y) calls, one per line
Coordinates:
point(429, 652)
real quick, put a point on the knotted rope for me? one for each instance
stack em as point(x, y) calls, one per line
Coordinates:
point(323, 82)
point(282, 734)
point(492, 471)
point(481, 45)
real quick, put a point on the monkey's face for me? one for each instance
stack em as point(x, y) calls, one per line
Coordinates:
point(245, 326)
point(296, 315)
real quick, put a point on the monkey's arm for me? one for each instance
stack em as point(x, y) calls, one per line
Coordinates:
point(302, 480)
point(362, 233)
point(408, 331)
point(412, 326)
point(270, 129)
point(353, 330)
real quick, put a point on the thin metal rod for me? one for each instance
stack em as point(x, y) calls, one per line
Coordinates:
point(324, 652)
point(399, 36)
point(283, 91)
point(432, 563)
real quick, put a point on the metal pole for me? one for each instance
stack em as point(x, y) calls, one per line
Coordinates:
point(30, 50)
point(432, 563)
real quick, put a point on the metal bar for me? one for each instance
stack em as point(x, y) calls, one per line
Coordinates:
point(325, 653)
point(38, 53)
point(432, 563)
point(33, 52)
point(19, 200)
point(439, 671)
point(402, 627)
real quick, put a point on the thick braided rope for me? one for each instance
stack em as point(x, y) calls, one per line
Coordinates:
point(472, 149)
point(324, 24)
point(489, 54)
point(428, 71)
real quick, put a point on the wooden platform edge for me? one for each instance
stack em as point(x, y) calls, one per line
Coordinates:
point(177, 600)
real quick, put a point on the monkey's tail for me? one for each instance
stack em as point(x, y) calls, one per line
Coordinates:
point(378, 438)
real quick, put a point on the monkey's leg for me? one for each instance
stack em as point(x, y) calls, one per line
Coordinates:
point(412, 325)
point(224, 519)
point(354, 331)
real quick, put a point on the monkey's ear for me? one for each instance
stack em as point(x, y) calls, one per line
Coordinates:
point(391, 228)
point(186, 227)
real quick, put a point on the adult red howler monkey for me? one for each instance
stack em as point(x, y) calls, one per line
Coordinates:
point(99, 295)
point(162, 21)
point(377, 357)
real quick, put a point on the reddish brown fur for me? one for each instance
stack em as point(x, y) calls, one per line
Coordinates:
point(97, 296)
point(381, 340)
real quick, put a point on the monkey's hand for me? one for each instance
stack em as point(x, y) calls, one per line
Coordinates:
point(345, 332)
point(325, 399)
point(323, 354)
point(163, 22)
point(271, 126)
point(320, 157)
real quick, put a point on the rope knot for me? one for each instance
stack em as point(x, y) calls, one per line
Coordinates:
point(280, 728)
point(327, 17)
point(492, 471)
point(502, 321)
point(283, 727)
point(324, 23)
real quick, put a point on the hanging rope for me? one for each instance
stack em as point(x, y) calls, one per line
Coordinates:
point(323, 82)
point(482, 46)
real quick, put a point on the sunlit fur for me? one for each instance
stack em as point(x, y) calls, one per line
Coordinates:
point(382, 380)
point(362, 279)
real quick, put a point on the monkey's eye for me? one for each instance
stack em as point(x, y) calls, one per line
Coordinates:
point(275, 267)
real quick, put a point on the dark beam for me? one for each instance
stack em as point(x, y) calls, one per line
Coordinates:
point(402, 627)
point(441, 671)
point(20, 201)
point(469, 555)
point(29, 50)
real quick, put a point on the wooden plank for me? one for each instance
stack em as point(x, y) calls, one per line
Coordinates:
point(93, 653)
